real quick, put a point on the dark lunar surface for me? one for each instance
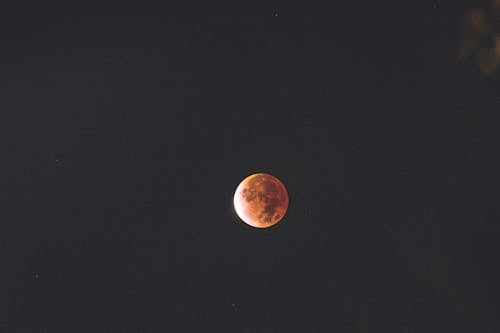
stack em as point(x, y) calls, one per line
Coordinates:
point(127, 127)
point(271, 197)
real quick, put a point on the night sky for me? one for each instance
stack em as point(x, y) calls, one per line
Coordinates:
point(127, 128)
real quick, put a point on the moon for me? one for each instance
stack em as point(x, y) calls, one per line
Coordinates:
point(261, 200)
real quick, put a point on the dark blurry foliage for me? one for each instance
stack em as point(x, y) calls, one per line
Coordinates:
point(482, 39)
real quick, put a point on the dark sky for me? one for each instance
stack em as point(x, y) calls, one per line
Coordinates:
point(127, 129)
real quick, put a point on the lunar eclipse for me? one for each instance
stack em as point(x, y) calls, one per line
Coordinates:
point(261, 200)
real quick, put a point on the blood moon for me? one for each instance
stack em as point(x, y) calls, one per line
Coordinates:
point(261, 200)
